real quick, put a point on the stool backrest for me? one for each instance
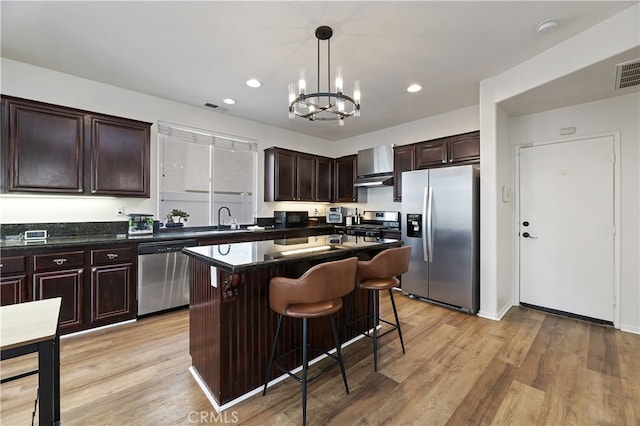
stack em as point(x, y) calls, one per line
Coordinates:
point(388, 263)
point(321, 283)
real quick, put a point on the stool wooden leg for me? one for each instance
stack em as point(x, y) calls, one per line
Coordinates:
point(305, 367)
point(273, 353)
point(395, 313)
point(339, 352)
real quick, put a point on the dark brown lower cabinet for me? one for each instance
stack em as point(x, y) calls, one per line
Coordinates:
point(13, 280)
point(113, 285)
point(13, 289)
point(66, 284)
point(104, 295)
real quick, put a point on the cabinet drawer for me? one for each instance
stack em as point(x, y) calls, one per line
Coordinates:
point(58, 261)
point(111, 256)
point(10, 265)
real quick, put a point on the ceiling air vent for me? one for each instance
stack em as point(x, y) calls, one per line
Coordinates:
point(628, 74)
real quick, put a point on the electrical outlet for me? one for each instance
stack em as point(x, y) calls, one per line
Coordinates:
point(120, 211)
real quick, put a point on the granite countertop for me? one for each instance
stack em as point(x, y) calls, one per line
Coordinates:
point(239, 257)
point(163, 235)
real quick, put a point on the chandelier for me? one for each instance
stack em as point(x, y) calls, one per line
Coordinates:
point(325, 105)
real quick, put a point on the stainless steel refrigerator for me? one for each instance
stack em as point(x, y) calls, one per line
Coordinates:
point(440, 221)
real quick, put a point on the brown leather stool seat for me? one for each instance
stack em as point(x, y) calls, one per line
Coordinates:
point(380, 273)
point(317, 293)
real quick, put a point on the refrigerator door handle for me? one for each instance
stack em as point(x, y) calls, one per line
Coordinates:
point(429, 227)
point(425, 247)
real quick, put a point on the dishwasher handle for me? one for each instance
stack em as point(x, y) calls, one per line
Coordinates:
point(165, 246)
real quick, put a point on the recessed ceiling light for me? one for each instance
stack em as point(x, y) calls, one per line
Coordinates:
point(547, 26)
point(253, 83)
point(229, 101)
point(414, 88)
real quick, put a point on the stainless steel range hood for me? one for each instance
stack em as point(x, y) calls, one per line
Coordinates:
point(375, 167)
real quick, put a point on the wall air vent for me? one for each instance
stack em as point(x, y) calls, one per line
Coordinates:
point(628, 74)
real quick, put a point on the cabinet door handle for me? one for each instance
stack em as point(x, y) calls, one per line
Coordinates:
point(94, 269)
point(59, 261)
point(112, 256)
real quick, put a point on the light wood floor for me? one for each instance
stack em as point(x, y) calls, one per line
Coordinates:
point(528, 369)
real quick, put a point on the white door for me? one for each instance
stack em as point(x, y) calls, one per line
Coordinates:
point(567, 227)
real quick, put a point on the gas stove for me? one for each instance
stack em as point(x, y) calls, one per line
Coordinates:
point(373, 223)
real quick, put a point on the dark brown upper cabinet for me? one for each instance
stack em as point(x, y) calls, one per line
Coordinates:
point(119, 157)
point(431, 153)
point(457, 149)
point(324, 179)
point(43, 147)
point(442, 152)
point(279, 175)
point(345, 177)
point(53, 149)
point(464, 148)
point(296, 176)
point(305, 177)
point(404, 159)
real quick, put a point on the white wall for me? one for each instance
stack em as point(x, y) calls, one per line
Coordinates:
point(623, 114)
point(611, 37)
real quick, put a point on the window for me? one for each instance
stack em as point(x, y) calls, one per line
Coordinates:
point(202, 171)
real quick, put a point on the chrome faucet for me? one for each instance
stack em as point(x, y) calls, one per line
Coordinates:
point(220, 209)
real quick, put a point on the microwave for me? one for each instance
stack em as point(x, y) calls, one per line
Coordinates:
point(335, 214)
point(290, 219)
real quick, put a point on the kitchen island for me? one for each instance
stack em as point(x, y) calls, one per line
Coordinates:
point(231, 325)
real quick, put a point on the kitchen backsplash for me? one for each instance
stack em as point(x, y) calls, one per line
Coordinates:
point(66, 229)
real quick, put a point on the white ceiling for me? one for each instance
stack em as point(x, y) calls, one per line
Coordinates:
point(198, 52)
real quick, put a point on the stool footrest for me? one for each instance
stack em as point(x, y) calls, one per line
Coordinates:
point(367, 333)
point(335, 362)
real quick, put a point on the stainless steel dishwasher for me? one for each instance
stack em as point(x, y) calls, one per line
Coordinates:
point(163, 275)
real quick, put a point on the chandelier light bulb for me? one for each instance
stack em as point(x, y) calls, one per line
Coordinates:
point(292, 98)
point(339, 81)
point(356, 91)
point(292, 92)
point(302, 82)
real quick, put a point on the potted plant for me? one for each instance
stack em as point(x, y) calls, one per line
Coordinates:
point(176, 217)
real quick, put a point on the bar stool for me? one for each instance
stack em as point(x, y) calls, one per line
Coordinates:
point(317, 293)
point(380, 273)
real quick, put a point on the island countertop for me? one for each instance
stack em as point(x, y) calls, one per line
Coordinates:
point(240, 257)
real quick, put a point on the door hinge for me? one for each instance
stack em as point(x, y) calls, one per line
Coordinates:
point(614, 302)
point(614, 158)
point(614, 230)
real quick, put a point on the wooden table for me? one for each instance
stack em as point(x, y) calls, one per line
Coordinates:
point(34, 327)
